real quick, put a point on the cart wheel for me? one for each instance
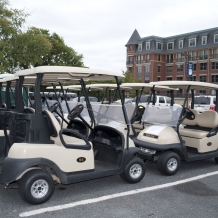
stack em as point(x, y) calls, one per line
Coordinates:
point(216, 159)
point(168, 163)
point(134, 170)
point(36, 187)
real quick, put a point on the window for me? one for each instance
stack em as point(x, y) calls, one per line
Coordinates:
point(216, 38)
point(147, 69)
point(194, 67)
point(180, 78)
point(193, 78)
point(158, 69)
point(158, 78)
point(215, 65)
point(130, 48)
point(169, 78)
point(180, 43)
point(203, 66)
point(202, 92)
point(169, 69)
point(192, 42)
point(169, 45)
point(179, 68)
point(159, 45)
point(140, 47)
point(147, 58)
point(139, 73)
point(158, 57)
point(161, 100)
point(203, 79)
point(214, 78)
point(204, 40)
point(147, 45)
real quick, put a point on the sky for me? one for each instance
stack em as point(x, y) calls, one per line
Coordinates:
point(99, 29)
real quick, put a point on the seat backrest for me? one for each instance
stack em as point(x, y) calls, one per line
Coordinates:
point(54, 126)
point(208, 119)
point(192, 122)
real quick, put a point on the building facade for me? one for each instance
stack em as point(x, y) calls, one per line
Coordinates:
point(154, 58)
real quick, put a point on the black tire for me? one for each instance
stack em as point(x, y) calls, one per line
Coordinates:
point(216, 159)
point(134, 166)
point(164, 161)
point(37, 177)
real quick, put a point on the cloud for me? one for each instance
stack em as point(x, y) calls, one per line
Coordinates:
point(100, 29)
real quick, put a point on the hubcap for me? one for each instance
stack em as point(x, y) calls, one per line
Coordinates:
point(135, 171)
point(39, 188)
point(172, 164)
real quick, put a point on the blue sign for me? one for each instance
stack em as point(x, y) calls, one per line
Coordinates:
point(188, 69)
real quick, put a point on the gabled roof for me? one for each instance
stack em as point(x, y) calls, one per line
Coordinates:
point(134, 38)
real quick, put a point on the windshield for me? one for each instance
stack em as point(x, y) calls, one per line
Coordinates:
point(111, 114)
point(166, 115)
point(202, 100)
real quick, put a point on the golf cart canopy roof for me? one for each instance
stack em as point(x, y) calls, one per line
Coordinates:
point(68, 74)
point(185, 84)
point(147, 86)
point(92, 87)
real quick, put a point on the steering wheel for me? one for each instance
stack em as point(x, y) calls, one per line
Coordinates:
point(139, 114)
point(75, 112)
point(54, 107)
point(188, 114)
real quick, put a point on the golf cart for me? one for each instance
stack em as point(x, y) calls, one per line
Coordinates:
point(48, 154)
point(179, 133)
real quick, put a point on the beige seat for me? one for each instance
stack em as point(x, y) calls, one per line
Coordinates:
point(55, 129)
point(207, 120)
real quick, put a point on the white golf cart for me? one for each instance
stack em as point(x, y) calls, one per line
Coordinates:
point(48, 154)
point(179, 133)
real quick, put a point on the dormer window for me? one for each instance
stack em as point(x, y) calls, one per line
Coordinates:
point(170, 45)
point(216, 38)
point(204, 40)
point(147, 45)
point(159, 45)
point(140, 47)
point(180, 43)
point(192, 42)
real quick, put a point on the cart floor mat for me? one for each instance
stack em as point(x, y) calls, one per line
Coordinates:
point(102, 166)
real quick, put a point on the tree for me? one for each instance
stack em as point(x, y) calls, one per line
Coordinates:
point(21, 49)
point(11, 21)
point(129, 78)
point(60, 53)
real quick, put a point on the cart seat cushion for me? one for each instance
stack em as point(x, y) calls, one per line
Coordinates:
point(191, 122)
point(54, 126)
point(208, 119)
point(193, 133)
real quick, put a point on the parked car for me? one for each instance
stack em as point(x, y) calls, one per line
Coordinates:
point(204, 103)
point(159, 100)
point(127, 101)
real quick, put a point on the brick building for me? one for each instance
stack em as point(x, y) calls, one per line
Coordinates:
point(155, 58)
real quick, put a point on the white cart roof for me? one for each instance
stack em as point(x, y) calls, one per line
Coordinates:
point(147, 86)
point(102, 86)
point(184, 84)
point(69, 74)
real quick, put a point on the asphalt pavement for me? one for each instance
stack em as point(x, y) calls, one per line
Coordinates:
point(198, 198)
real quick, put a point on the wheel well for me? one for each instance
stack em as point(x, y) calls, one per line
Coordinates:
point(175, 151)
point(46, 168)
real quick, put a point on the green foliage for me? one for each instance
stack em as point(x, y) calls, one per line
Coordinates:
point(129, 78)
point(21, 49)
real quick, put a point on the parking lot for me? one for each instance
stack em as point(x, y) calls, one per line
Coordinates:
point(192, 192)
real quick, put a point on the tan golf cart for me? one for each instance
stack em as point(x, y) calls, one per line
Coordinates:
point(179, 133)
point(49, 154)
